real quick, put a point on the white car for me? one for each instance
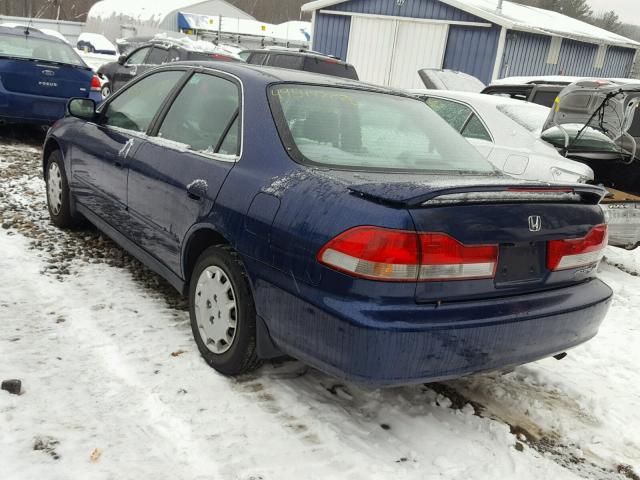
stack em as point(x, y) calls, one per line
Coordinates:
point(507, 133)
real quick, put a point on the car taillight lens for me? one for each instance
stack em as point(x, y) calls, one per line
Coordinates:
point(563, 254)
point(375, 253)
point(224, 58)
point(398, 255)
point(96, 86)
point(444, 258)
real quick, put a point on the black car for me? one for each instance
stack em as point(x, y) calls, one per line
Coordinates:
point(152, 54)
point(300, 60)
point(543, 93)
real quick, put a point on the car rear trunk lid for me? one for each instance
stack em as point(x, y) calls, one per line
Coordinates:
point(36, 77)
point(518, 219)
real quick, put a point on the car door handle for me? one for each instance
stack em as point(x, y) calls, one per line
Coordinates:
point(197, 189)
point(118, 164)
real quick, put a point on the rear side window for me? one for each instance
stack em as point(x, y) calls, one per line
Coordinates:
point(544, 98)
point(330, 67)
point(475, 129)
point(454, 113)
point(360, 130)
point(138, 56)
point(293, 62)
point(204, 116)
point(157, 56)
point(256, 58)
point(136, 106)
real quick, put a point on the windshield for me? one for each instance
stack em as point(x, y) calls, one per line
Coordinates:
point(531, 117)
point(26, 46)
point(354, 129)
point(590, 139)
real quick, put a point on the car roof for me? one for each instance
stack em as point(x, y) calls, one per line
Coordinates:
point(473, 98)
point(268, 75)
point(19, 32)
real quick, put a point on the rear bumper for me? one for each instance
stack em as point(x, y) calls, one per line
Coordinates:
point(401, 344)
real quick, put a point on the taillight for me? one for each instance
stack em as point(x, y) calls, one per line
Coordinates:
point(398, 255)
point(96, 86)
point(375, 253)
point(563, 254)
point(224, 58)
point(444, 258)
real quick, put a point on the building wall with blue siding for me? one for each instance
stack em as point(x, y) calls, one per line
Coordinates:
point(331, 34)
point(472, 50)
point(526, 54)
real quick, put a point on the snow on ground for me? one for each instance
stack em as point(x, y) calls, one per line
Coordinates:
point(109, 368)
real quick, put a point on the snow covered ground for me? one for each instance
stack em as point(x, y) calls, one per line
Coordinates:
point(114, 388)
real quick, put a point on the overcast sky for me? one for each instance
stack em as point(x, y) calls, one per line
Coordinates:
point(627, 10)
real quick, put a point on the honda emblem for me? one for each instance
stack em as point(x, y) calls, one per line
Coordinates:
point(535, 223)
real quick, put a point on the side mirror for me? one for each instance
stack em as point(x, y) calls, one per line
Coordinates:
point(84, 108)
point(122, 59)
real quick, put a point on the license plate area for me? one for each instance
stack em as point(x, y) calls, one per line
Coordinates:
point(520, 262)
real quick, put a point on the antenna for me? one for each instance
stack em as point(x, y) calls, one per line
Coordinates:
point(499, 8)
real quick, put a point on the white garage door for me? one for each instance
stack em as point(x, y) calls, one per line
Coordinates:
point(418, 45)
point(390, 52)
point(370, 47)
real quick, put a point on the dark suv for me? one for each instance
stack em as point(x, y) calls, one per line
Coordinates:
point(152, 54)
point(300, 60)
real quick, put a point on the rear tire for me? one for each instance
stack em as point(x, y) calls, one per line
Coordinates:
point(105, 91)
point(222, 312)
point(58, 193)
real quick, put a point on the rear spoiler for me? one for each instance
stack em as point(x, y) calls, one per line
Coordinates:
point(411, 195)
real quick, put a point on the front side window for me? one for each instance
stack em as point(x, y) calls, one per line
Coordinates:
point(138, 56)
point(136, 106)
point(204, 116)
point(354, 129)
point(26, 46)
point(157, 56)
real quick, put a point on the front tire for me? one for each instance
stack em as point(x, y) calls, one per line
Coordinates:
point(222, 312)
point(58, 193)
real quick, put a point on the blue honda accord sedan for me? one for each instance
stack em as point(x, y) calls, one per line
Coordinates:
point(39, 73)
point(340, 223)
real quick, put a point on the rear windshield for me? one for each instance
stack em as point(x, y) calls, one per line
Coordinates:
point(330, 67)
point(25, 46)
point(354, 129)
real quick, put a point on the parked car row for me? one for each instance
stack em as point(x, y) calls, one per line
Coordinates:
point(341, 223)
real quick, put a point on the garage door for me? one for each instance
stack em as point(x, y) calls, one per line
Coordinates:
point(418, 46)
point(390, 52)
point(370, 47)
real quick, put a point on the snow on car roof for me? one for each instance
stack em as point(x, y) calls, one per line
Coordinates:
point(524, 18)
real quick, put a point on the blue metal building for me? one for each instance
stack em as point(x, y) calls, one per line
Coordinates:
point(389, 40)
